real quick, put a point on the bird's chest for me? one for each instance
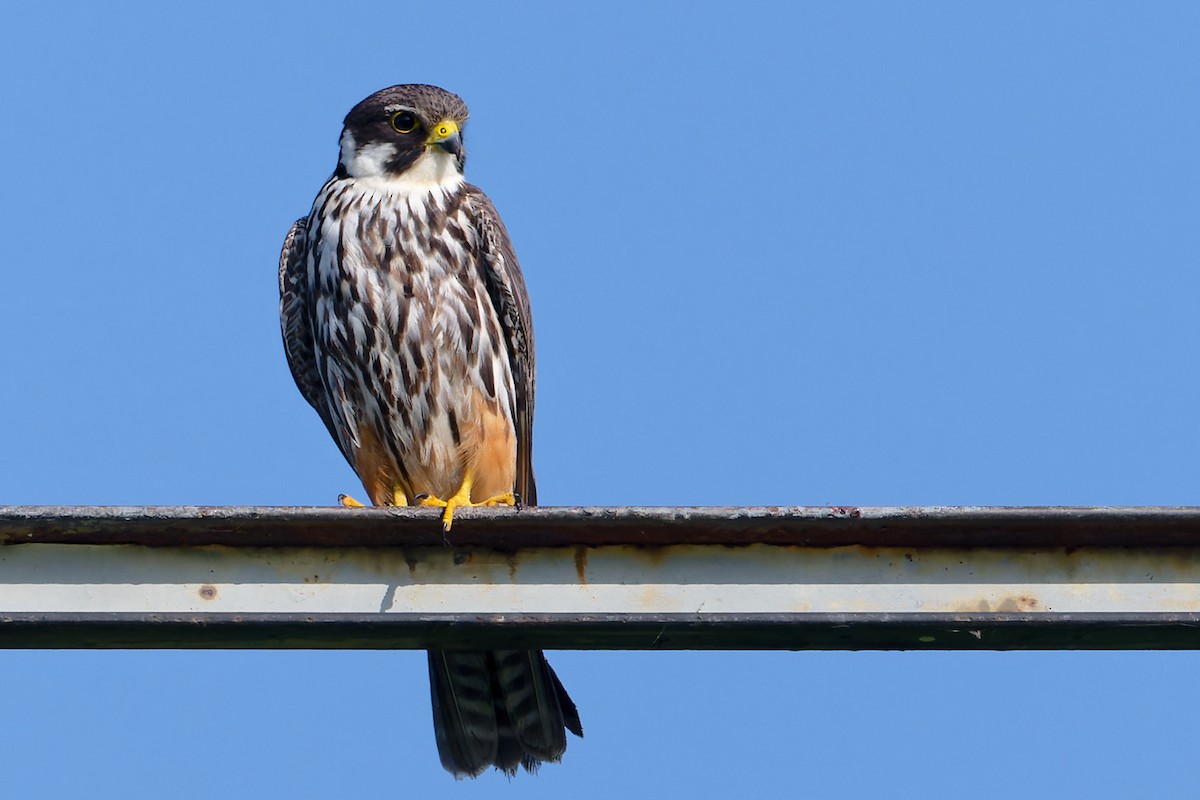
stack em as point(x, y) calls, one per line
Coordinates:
point(398, 272)
point(403, 313)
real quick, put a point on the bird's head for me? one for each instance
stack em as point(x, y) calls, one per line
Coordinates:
point(409, 135)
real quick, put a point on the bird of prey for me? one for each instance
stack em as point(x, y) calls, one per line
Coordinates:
point(407, 327)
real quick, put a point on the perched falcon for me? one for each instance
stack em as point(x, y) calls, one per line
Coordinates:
point(406, 324)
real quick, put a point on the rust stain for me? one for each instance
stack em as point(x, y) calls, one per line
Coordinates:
point(651, 597)
point(655, 555)
point(312, 578)
point(208, 592)
point(581, 556)
point(463, 557)
point(1016, 602)
point(1019, 602)
point(844, 512)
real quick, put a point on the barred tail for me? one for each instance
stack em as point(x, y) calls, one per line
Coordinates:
point(505, 708)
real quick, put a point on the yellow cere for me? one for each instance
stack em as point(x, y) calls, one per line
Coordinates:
point(443, 130)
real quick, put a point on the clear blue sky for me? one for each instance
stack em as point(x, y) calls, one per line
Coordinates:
point(860, 253)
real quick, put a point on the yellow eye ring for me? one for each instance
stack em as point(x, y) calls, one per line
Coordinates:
point(404, 122)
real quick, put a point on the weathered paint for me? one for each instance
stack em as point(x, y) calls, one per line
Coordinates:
point(620, 579)
point(774, 577)
point(815, 526)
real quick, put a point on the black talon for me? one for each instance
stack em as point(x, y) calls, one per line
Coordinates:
point(342, 499)
point(420, 497)
point(517, 502)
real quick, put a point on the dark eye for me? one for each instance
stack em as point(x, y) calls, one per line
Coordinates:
point(404, 122)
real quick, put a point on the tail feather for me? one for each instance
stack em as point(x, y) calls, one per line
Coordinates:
point(463, 711)
point(565, 703)
point(505, 708)
point(509, 755)
point(528, 695)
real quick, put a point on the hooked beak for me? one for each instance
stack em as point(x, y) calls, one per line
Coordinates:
point(446, 136)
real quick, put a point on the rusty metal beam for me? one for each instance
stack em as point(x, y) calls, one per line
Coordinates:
point(786, 578)
point(807, 526)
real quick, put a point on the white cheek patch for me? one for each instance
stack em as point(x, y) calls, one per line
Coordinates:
point(348, 146)
point(434, 169)
point(366, 161)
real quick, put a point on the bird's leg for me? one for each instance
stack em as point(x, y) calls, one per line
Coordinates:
point(462, 498)
point(349, 502)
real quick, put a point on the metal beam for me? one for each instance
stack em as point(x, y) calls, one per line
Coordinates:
point(786, 578)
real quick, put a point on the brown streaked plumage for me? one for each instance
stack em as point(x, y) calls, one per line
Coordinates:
point(407, 327)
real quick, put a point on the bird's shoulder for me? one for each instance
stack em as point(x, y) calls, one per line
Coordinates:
point(496, 245)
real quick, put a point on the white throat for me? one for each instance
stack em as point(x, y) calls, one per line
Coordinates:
point(435, 168)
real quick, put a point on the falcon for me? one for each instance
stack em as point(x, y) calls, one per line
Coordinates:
point(407, 327)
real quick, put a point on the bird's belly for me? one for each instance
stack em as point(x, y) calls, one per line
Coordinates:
point(432, 409)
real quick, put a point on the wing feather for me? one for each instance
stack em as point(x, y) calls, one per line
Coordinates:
point(506, 285)
point(296, 323)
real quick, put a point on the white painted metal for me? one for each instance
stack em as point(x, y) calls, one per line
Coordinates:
point(691, 579)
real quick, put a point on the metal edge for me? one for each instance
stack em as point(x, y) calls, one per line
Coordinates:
point(543, 526)
point(909, 631)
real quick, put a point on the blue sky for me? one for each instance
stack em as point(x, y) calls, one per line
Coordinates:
point(869, 253)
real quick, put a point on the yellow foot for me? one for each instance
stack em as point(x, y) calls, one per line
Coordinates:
point(398, 499)
point(463, 499)
point(506, 499)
